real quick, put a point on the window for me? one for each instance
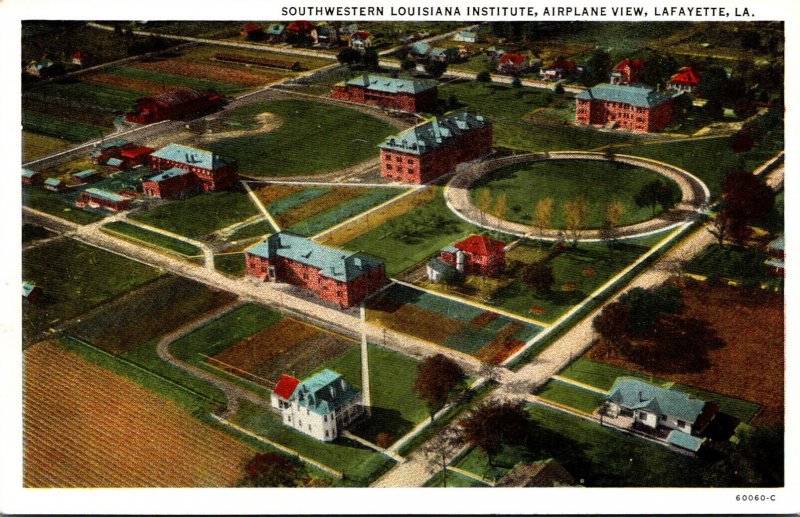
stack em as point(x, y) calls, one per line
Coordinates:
point(326, 434)
point(681, 423)
point(398, 159)
point(324, 418)
point(388, 166)
point(309, 427)
point(663, 417)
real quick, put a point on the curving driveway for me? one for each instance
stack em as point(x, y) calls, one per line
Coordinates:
point(694, 196)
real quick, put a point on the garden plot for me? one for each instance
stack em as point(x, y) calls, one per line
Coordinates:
point(489, 336)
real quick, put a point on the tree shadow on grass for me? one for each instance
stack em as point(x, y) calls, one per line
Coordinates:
point(383, 420)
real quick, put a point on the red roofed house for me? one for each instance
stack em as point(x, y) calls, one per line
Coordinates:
point(513, 64)
point(627, 71)
point(77, 58)
point(476, 255)
point(173, 104)
point(361, 40)
point(283, 391)
point(686, 80)
point(252, 31)
point(559, 69)
point(134, 156)
point(300, 31)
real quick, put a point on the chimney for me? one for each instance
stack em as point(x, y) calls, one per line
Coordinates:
point(641, 397)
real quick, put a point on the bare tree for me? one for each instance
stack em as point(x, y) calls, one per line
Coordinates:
point(576, 213)
point(439, 450)
point(543, 216)
point(501, 206)
point(720, 227)
point(610, 231)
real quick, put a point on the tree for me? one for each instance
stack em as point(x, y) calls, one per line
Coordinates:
point(516, 82)
point(543, 215)
point(435, 68)
point(655, 193)
point(538, 276)
point(756, 461)
point(682, 105)
point(743, 140)
point(714, 84)
point(484, 77)
point(576, 212)
point(612, 322)
point(719, 227)
point(440, 449)
point(748, 199)
point(610, 233)
point(408, 64)
point(559, 89)
point(597, 68)
point(270, 469)
point(437, 377)
point(500, 206)
point(452, 101)
point(492, 425)
point(645, 306)
point(370, 60)
point(609, 154)
point(349, 56)
point(658, 69)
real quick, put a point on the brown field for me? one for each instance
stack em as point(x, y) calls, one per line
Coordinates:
point(272, 193)
point(131, 83)
point(318, 205)
point(502, 346)
point(750, 365)
point(35, 145)
point(349, 232)
point(87, 427)
point(217, 73)
point(412, 320)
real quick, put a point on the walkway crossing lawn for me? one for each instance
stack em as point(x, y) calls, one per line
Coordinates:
point(358, 463)
point(75, 278)
point(506, 106)
point(599, 182)
point(57, 205)
point(59, 127)
point(230, 264)
point(396, 409)
point(313, 138)
point(201, 214)
point(577, 398)
point(601, 375)
point(454, 480)
point(257, 229)
point(175, 80)
point(596, 456)
point(731, 262)
point(343, 211)
point(157, 240)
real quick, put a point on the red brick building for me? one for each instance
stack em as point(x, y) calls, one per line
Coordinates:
point(97, 198)
point(686, 80)
point(637, 108)
point(476, 255)
point(627, 71)
point(134, 156)
point(213, 172)
point(400, 94)
point(171, 183)
point(31, 177)
point(175, 104)
point(110, 149)
point(336, 275)
point(430, 150)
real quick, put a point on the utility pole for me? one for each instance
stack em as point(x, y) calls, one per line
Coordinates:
point(365, 364)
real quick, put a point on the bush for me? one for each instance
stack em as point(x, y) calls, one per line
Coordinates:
point(484, 77)
point(516, 83)
point(383, 440)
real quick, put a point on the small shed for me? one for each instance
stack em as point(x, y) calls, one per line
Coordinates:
point(31, 177)
point(54, 184)
point(31, 292)
point(439, 270)
point(87, 176)
point(466, 37)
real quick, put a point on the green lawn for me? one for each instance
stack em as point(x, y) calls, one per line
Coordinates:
point(314, 138)
point(56, 204)
point(598, 182)
point(257, 229)
point(151, 238)
point(506, 106)
point(395, 407)
point(232, 264)
point(75, 277)
point(731, 262)
point(60, 127)
point(176, 80)
point(358, 463)
point(572, 396)
point(32, 233)
point(342, 212)
point(201, 214)
point(603, 375)
point(93, 94)
point(454, 480)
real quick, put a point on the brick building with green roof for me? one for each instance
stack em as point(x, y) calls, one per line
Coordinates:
point(435, 148)
point(388, 92)
point(638, 108)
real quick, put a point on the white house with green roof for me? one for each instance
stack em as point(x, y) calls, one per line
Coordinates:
point(323, 406)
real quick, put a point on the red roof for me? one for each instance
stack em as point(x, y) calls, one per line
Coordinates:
point(286, 386)
point(300, 26)
point(135, 152)
point(480, 245)
point(633, 64)
point(252, 27)
point(564, 64)
point(361, 35)
point(686, 76)
point(77, 55)
point(514, 59)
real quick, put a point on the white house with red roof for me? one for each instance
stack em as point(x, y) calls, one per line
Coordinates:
point(279, 399)
point(513, 64)
point(686, 80)
point(361, 40)
point(559, 69)
point(627, 71)
point(476, 255)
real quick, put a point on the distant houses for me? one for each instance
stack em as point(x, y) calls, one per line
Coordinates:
point(776, 250)
point(87, 176)
point(361, 40)
point(560, 69)
point(336, 275)
point(513, 64)
point(387, 92)
point(466, 36)
point(54, 184)
point(434, 148)
point(638, 108)
point(546, 473)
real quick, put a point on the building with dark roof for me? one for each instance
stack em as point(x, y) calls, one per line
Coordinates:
point(430, 150)
point(476, 255)
point(213, 171)
point(387, 92)
point(637, 108)
point(336, 275)
point(174, 104)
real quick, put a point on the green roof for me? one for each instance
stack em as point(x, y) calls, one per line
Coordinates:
point(28, 173)
point(27, 288)
point(333, 263)
point(638, 95)
point(324, 392)
point(191, 156)
point(434, 133)
point(169, 173)
point(53, 181)
point(468, 34)
point(684, 440)
point(105, 194)
point(381, 83)
point(88, 173)
point(779, 243)
point(637, 394)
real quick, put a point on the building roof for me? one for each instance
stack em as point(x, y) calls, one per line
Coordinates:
point(481, 245)
point(324, 393)
point(637, 394)
point(88, 173)
point(514, 59)
point(381, 83)
point(300, 26)
point(167, 174)
point(119, 142)
point(362, 35)
point(686, 76)
point(177, 97)
point(545, 473)
point(252, 27)
point(135, 152)
point(633, 64)
point(437, 51)
point(468, 34)
point(638, 95)
point(191, 156)
point(28, 173)
point(420, 48)
point(684, 440)
point(104, 194)
point(53, 181)
point(439, 265)
point(775, 262)
point(275, 29)
point(27, 288)
point(114, 162)
point(286, 386)
point(563, 64)
point(434, 133)
point(779, 243)
point(333, 263)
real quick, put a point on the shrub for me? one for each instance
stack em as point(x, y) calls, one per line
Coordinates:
point(484, 77)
